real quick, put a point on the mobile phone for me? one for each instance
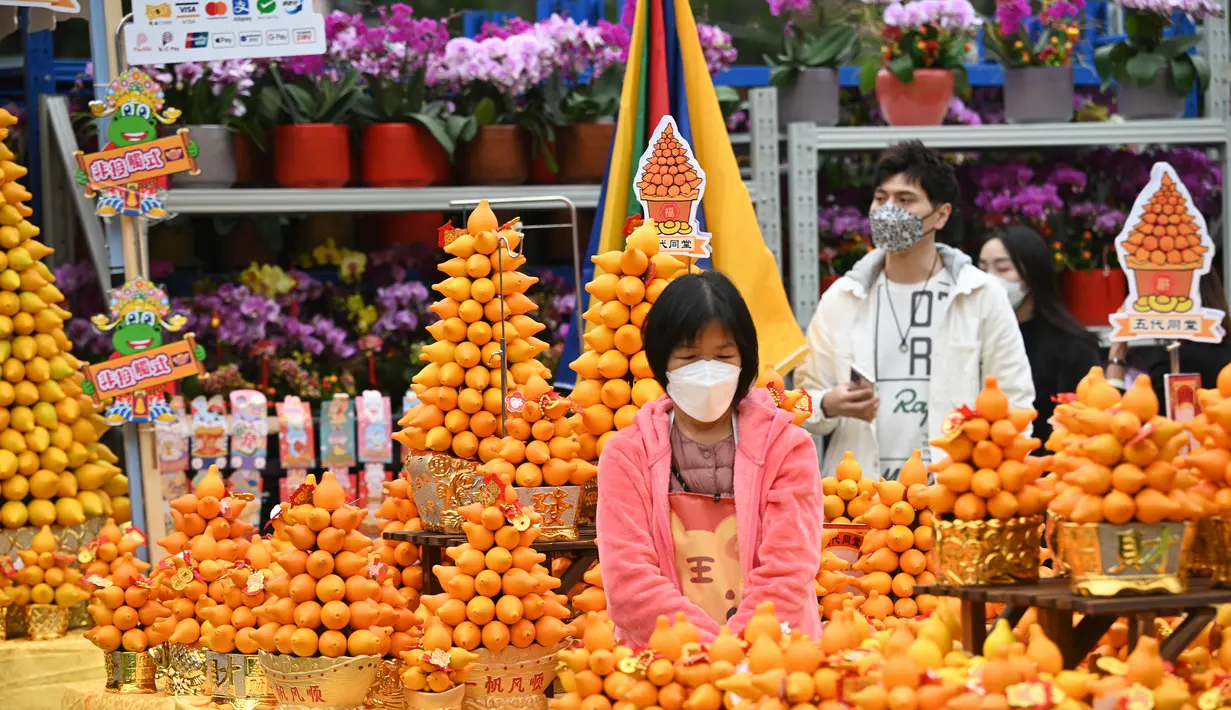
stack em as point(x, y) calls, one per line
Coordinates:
point(860, 380)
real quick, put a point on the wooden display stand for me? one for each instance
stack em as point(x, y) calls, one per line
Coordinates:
point(584, 552)
point(1056, 605)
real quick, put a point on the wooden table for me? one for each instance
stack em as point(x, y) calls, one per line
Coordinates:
point(583, 550)
point(1056, 604)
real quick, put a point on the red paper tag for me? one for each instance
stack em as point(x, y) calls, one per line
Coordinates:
point(303, 494)
point(256, 583)
point(632, 223)
point(650, 274)
point(96, 581)
point(443, 237)
point(805, 401)
point(515, 402)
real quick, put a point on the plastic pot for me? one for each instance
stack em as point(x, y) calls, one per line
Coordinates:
point(1092, 295)
point(215, 158)
point(403, 155)
point(582, 151)
point(312, 155)
point(922, 102)
point(1038, 94)
point(1158, 99)
point(496, 156)
point(813, 97)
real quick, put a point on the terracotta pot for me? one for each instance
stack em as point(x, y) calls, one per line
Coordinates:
point(922, 102)
point(403, 155)
point(1093, 295)
point(312, 155)
point(540, 172)
point(409, 227)
point(496, 156)
point(252, 164)
point(583, 151)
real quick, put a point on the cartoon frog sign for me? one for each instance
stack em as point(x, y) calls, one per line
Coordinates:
point(135, 103)
point(138, 315)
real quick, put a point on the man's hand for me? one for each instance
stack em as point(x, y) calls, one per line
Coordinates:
point(87, 387)
point(847, 400)
point(193, 149)
point(81, 177)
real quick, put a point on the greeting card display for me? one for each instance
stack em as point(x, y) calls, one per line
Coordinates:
point(249, 429)
point(670, 189)
point(209, 433)
point(132, 171)
point(1165, 248)
point(171, 438)
point(296, 443)
point(338, 433)
point(139, 375)
point(374, 415)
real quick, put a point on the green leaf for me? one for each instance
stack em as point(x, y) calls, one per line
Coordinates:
point(831, 46)
point(867, 76)
point(485, 112)
point(1202, 68)
point(1175, 46)
point(726, 94)
point(903, 68)
point(1183, 74)
point(1143, 67)
point(439, 130)
point(302, 105)
point(783, 76)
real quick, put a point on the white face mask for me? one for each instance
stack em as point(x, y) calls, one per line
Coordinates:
point(1016, 291)
point(703, 389)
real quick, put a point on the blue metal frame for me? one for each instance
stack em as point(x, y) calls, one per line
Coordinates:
point(580, 10)
point(472, 20)
point(40, 79)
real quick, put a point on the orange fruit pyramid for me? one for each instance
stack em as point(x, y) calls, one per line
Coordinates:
point(484, 298)
point(668, 172)
point(1167, 232)
point(398, 513)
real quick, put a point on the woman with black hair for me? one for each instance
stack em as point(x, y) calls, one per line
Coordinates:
point(710, 502)
point(1060, 350)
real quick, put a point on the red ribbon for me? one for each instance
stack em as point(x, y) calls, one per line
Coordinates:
point(632, 223)
point(441, 234)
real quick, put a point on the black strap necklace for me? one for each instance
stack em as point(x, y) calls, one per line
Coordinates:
point(914, 305)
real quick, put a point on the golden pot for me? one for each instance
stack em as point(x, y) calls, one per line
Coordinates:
point(15, 621)
point(1105, 559)
point(388, 692)
point(1051, 533)
point(4, 622)
point(79, 616)
point(181, 668)
point(514, 679)
point(68, 539)
point(46, 621)
point(237, 682)
point(320, 683)
point(988, 551)
point(129, 672)
point(440, 484)
point(448, 700)
point(589, 502)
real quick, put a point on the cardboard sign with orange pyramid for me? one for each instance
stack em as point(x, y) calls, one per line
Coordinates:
point(670, 190)
point(1165, 249)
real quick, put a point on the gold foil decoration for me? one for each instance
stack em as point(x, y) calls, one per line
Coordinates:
point(45, 622)
point(237, 682)
point(183, 576)
point(972, 552)
point(4, 621)
point(181, 668)
point(129, 672)
point(388, 692)
point(1105, 559)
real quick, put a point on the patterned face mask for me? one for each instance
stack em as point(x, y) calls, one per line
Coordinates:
point(894, 229)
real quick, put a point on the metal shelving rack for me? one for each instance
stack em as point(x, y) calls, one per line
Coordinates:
point(806, 140)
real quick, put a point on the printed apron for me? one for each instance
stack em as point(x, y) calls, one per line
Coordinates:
point(707, 552)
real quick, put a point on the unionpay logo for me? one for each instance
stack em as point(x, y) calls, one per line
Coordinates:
point(241, 8)
point(197, 40)
point(266, 6)
point(292, 7)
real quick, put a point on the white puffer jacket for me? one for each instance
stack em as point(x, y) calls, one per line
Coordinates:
point(977, 336)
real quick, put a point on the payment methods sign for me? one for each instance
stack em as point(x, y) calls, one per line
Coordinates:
point(175, 31)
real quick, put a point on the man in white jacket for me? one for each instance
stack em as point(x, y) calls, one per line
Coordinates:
point(916, 318)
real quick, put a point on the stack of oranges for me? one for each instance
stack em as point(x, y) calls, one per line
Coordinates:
point(893, 557)
point(1117, 458)
point(125, 606)
point(541, 448)
point(1211, 459)
point(398, 513)
point(484, 300)
point(847, 494)
point(206, 577)
point(45, 576)
point(497, 592)
point(587, 595)
point(437, 665)
point(614, 376)
point(988, 473)
point(324, 596)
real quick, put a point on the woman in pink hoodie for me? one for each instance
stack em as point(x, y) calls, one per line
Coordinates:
point(710, 503)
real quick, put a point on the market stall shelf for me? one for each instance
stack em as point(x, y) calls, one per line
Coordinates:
point(583, 550)
point(1056, 605)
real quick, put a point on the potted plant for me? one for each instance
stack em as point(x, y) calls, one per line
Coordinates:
point(1094, 285)
point(409, 140)
point(487, 79)
point(312, 141)
point(925, 42)
point(814, 46)
point(212, 97)
point(1033, 40)
point(1154, 74)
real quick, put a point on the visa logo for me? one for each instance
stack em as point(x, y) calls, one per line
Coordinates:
point(197, 40)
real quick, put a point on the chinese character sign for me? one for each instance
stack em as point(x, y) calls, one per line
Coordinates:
point(1165, 248)
point(130, 174)
point(670, 191)
point(139, 374)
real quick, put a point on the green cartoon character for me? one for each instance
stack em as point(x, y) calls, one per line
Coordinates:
point(138, 316)
point(135, 104)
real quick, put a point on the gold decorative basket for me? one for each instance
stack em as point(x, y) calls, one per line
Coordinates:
point(1051, 533)
point(237, 682)
point(387, 692)
point(181, 668)
point(15, 621)
point(129, 672)
point(46, 621)
point(69, 539)
point(1105, 559)
point(1211, 554)
point(4, 621)
point(79, 616)
point(514, 679)
point(972, 552)
point(320, 683)
point(589, 502)
point(441, 484)
point(448, 700)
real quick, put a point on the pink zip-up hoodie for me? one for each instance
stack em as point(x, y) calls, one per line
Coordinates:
point(778, 511)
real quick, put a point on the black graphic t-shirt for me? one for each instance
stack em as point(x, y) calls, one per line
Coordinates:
point(903, 378)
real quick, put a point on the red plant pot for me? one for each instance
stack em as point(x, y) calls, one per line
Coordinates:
point(496, 156)
point(1093, 295)
point(312, 155)
point(403, 155)
point(409, 227)
point(583, 151)
point(540, 173)
point(922, 102)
